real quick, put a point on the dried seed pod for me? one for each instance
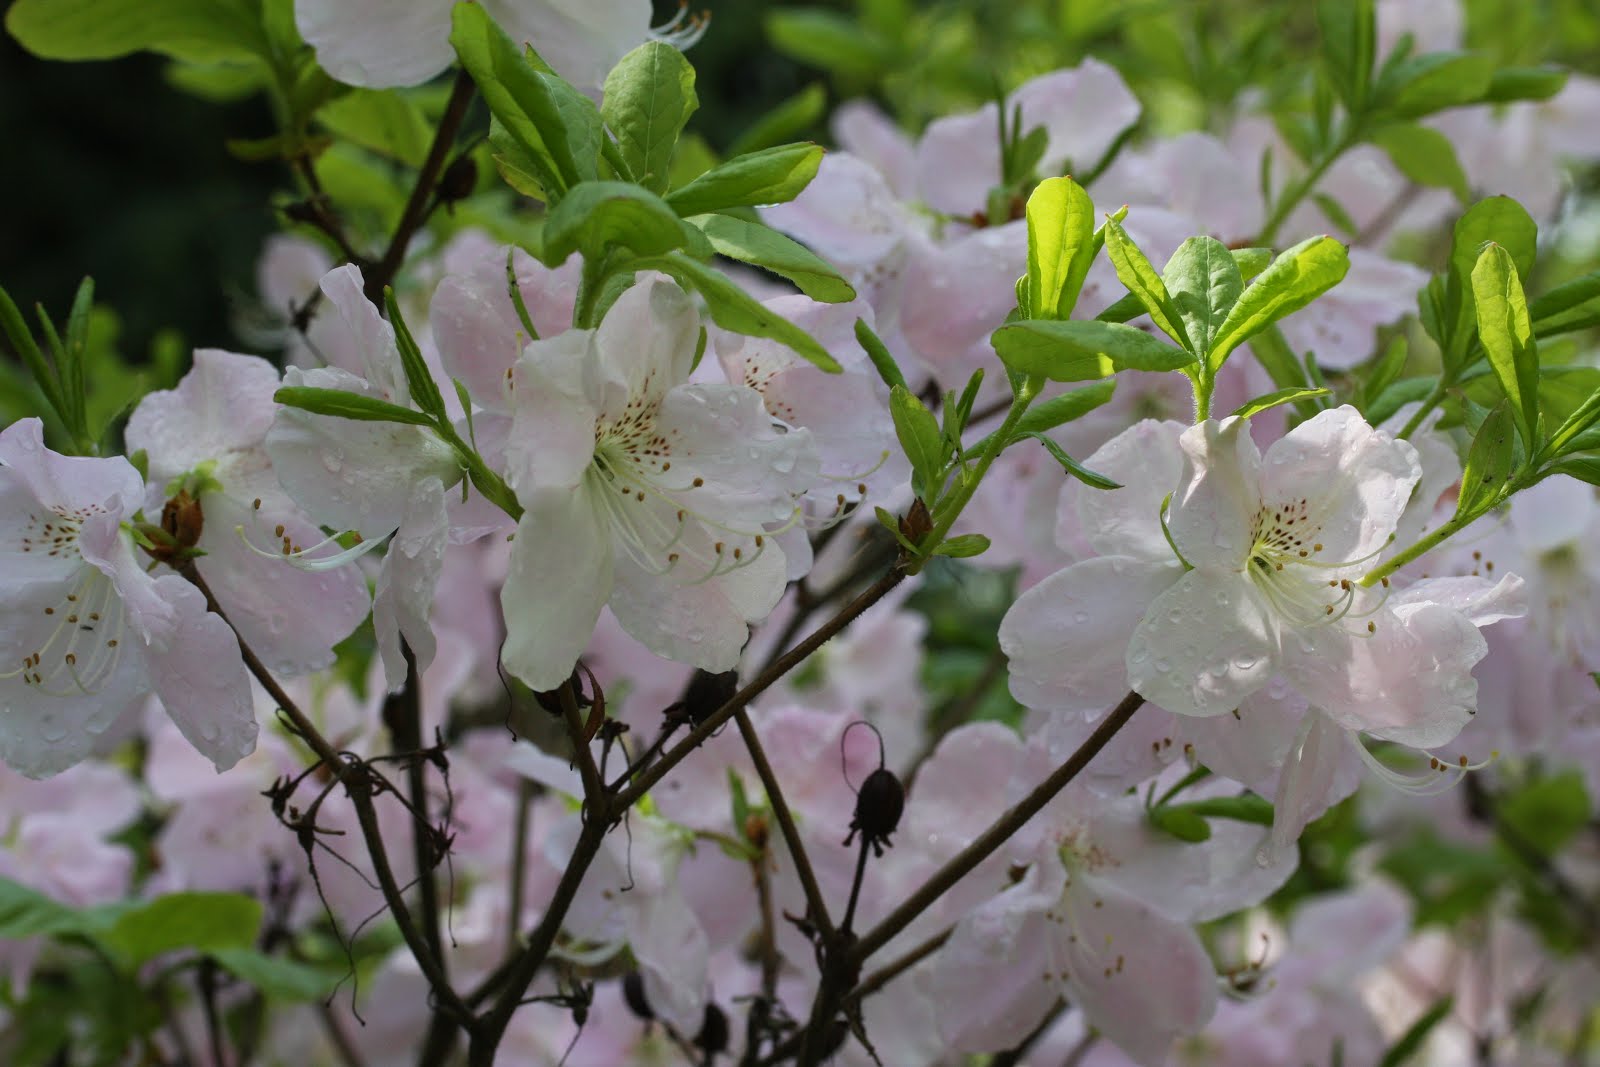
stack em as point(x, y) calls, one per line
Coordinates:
point(713, 1035)
point(880, 801)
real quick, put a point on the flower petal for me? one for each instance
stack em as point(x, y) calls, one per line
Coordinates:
point(1148, 461)
point(402, 602)
point(1204, 645)
point(559, 578)
point(377, 44)
point(1142, 979)
point(1067, 637)
point(201, 679)
point(223, 405)
point(1353, 481)
point(1214, 508)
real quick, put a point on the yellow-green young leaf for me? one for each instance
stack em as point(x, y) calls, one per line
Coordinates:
point(1272, 400)
point(595, 217)
point(770, 176)
point(1425, 156)
point(1507, 336)
point(920, 438)
point(1203, 282)
point(649, 97)
point(963, 546)
point(1135, 272)
point(734, 309)
point(1490, 461)
point(1181, 823)
point(761, 246)
point(1297, 277)
point(1080, 351)
point(1505, 222)
point(204, 31)
point(1060, 247)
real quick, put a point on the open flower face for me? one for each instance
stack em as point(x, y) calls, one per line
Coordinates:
point(1276, 548)
point(90, 630)
point(656, 496)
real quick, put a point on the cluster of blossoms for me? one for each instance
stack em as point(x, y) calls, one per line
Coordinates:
point(442, 591)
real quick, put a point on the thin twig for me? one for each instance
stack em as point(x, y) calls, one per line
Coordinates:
point(416, 209)
point(778, 668)
point(816, 907)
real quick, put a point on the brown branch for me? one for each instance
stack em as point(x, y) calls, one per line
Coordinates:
point(776, 670)
point(417, 206)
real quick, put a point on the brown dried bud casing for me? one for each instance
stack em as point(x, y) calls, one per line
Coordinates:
point(182, 518)
point(713, 1035)
point(916, 523)
point(458, 180)
point(633, 996)
point(879, 804)
point(705, 694)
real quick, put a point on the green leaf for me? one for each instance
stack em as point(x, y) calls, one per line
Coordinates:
point(419, 380)
point(16, 331)
point(1548, 812)
point(1507, 336)
point(1093, 479)
point(789, 120)
point(202, 921)
point(1061, 247)
point(1181, 823)
point(770, 176)
point(1349, 43)
point(26, 912)
point(1569, 303)
point(1386, 370)
point(761, 246)
point(1203, 282)
point(828, 40)
point(1497, 219)
point(1272, 400)
point(649, 97)
point(1246, 807)
point(1295, 278)
point(734, 309)
point(1490, 461)
point(276, 977)
point(1077, 351)
point(384, 122)
point(1425, 156)
point(1432, 82)
point(596, 217)
point(1135, 272)
point(558, 127)
point(1066, 407)
point(1410, 1042)
point(920, 438)
point(1567, 434)
point(1252, 261)
point(1524, 83)
point(1583, 468)
point(340, 404)
point(963, 546)
point(882, 361)
point(197, 30)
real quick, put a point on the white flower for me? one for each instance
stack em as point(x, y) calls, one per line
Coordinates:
point(87, 630)
point(381, 44)
point(642, 491)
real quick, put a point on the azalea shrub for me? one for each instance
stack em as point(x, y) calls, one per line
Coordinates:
point(1096, 564)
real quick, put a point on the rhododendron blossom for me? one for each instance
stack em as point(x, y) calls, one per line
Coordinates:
point(644, 491)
